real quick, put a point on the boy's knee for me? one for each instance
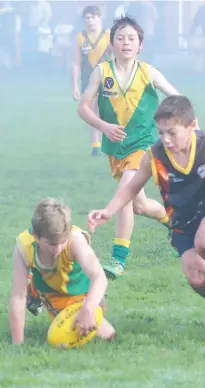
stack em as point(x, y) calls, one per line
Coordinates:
point(199, 244)
point(139, 208)
point(196, 283)
point(194, 280)
point(106, 331)
point(199, 241)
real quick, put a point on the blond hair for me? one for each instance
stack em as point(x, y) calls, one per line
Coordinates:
point(52, 220)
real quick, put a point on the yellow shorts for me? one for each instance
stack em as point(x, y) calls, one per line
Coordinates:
point(131, 162)
point(55, 303)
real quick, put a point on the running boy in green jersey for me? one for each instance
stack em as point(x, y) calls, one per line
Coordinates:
point(127, 102)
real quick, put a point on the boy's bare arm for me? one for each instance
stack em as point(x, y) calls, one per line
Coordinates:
point(84, 110)
point(114, 132)
point(161, 83)
point(90, 264)
point(86, 257)
point(76, 72)
point(18, 297)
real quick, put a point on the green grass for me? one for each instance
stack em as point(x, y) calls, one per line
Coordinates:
point(45, 151)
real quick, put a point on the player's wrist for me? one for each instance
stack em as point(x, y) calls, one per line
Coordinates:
point(89, 306)
point(109, 211)
point(102, 126)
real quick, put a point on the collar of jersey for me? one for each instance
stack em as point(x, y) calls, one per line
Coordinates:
point(37, 263)
point(132, 75)
point(184, 170)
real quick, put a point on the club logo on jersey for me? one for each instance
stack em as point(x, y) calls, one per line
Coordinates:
point(86, 48)
point(110, 93)
point(174, 178)
point(201, 171)
point(109, 83)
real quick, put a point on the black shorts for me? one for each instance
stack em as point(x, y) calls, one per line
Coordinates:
point(182, 242)
point(183, 238)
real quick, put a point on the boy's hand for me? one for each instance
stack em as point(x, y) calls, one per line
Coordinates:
point(97, 218)
point(114, 132)
point(76, 94)
point(85, 321)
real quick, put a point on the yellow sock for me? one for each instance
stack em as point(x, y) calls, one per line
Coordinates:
point(122, 241)
point(97, 144)
point(165, 221)
point(120, 250)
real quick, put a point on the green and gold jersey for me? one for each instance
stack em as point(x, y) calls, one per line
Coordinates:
point(66, 278)
point(133, 108)
point(93, 51)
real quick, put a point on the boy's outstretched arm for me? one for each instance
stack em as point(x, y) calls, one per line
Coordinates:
point(86, 257)
point(123, 195)
point(18, 298)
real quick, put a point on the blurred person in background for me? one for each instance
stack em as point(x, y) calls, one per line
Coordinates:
point(62, 41)
point(45, 44)
point(199, 23)
point(9, 35)
point(37, 15)
point(145, 13)
point(92, 47)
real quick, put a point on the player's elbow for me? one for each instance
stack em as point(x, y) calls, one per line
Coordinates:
point(82, 109)
point(196, 283)
point(100, 278)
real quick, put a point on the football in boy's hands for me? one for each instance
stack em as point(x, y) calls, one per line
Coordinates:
point(61, 333)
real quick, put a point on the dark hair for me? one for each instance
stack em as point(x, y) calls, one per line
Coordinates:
point(124, 21)
point(92, 9)
point(178, 108)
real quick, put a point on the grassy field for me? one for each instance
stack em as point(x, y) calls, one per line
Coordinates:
point(45, 151)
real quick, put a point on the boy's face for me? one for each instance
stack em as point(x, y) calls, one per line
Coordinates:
point(126, 43)
point(174, 136)
point(49, 247)
point(92, 22)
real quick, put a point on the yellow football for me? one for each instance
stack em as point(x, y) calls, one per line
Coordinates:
point(61, 334)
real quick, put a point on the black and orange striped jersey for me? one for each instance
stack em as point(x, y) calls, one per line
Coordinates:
point(182, 189)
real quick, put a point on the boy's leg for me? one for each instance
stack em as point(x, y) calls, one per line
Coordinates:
point(106, 331)
point(149, 208)
point(193, 265)
point(96, 142)
point(194, 269)
point(199, 240)
point(125, 223)
point(123, 232)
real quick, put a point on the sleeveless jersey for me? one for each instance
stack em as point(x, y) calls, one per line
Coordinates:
point(67, 278)
point(182, 189)
point(92, 53)
point(133, 109)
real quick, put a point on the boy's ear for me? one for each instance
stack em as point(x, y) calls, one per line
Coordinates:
point(35, 235)
point(141, 46)
point(195, 125)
